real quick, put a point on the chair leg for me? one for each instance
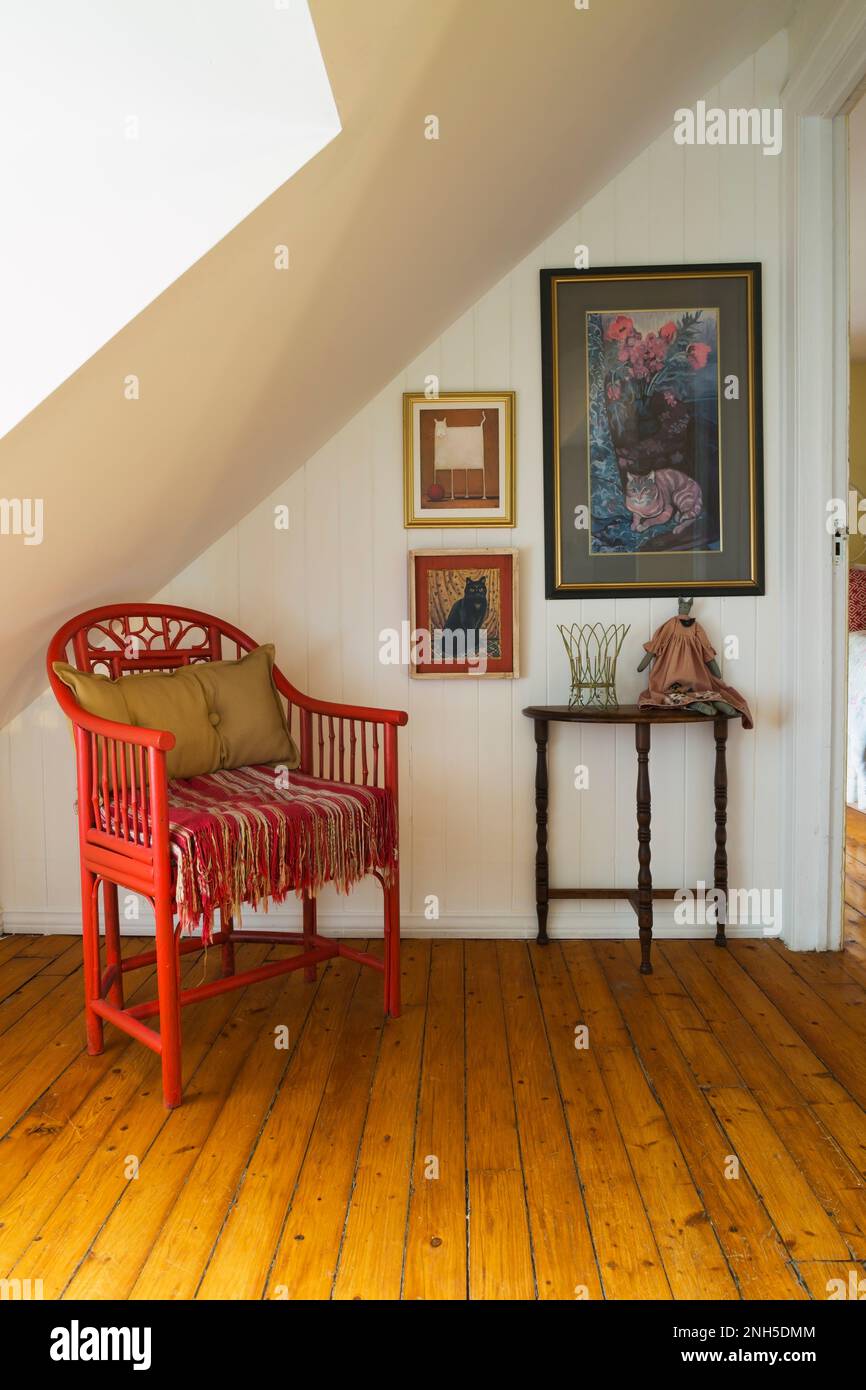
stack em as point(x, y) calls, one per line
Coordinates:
point(169, 1004)
point(90, 951)
point(386, 947)
point(113, 956)
point(392, 945)
point(228, 947)
point(309, 934)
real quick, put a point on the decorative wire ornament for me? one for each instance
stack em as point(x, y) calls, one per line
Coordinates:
point(592, 654)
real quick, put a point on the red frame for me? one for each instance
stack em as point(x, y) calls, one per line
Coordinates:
point(337, 742)
point(503, 561)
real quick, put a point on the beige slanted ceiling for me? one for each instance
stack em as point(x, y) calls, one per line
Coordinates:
point(245, 370)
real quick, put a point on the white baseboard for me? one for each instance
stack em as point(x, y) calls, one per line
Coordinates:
point(563, 924)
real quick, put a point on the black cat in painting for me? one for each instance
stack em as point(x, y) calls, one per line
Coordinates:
point(469, 612)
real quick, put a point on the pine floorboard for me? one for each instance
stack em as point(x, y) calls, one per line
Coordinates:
point(540, 1123)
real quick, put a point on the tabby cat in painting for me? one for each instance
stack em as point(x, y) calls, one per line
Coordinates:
point(654, 498)
point(469, 612)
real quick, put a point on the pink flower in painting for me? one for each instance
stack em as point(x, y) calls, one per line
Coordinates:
point(668, 331)
point(671, 399)
point(637, 358)
point(655, 352)
point(622, 327)
point(614, 391)
point(697, 354)
point(647, 357)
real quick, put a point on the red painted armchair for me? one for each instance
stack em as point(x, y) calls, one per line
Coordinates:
point(124, 814)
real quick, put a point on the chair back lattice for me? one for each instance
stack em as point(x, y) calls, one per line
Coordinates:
point(148, 637)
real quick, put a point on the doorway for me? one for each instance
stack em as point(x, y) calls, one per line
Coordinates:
point(854, 922)
point(828, 79)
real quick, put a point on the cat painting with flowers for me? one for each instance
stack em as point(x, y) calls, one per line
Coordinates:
point(654, 430)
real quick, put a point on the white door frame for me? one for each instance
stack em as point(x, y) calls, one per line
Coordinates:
point(815, 102)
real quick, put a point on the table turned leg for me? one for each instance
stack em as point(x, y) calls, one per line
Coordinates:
point(541, 871)
point(720, 867)
point(644, 877)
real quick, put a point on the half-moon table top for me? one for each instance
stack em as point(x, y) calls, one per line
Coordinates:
point(620, 714)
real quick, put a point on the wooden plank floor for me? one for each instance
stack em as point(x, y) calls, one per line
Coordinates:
point(540, 1123)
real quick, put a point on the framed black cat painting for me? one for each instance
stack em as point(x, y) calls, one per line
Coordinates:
point(652, 431)
point(463, 613)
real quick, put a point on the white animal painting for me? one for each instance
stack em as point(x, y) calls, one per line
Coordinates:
point(461, 447)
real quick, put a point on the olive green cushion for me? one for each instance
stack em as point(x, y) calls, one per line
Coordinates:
point(223, 714)
point(249, 715)
point(173, 700)
point(97, 694)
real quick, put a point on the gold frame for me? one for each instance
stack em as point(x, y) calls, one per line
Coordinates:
point(753, 584)
point(514, 673)
point(507, 400)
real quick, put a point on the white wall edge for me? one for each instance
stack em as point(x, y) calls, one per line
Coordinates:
point(815, 438)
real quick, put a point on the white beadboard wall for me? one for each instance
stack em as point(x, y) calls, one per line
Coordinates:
point(325, 589)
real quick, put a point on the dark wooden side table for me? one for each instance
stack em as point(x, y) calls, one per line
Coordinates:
point(640, 897)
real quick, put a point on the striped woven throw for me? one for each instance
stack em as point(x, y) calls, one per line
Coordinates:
point(239, 837)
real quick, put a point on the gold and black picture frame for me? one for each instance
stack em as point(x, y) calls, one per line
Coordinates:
point(653, 468)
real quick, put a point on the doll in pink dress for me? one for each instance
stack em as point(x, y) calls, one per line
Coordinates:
point(684, 671)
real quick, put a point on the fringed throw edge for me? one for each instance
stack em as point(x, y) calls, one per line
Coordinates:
point(241, 837)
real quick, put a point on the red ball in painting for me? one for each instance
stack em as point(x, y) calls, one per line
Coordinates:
point(435, 492)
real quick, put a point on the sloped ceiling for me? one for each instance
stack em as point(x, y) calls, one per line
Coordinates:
point(135, 156)
point(246, 370)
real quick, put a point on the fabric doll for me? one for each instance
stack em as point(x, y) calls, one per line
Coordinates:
point(684, 671)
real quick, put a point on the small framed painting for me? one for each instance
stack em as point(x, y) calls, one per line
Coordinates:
point(458, 459)
point(463, 613)
point(652, 431)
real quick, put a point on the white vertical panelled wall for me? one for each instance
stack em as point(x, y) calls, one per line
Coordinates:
point(325, 589)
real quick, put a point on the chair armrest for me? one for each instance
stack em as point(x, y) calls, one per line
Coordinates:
point(135, 784)
point(325, 750)
point(110, 728)
point(397, 717)
point(162, 739)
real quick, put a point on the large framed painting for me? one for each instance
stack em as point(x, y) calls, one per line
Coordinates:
point(652, 431)
point(458, 458)
point(463, 613)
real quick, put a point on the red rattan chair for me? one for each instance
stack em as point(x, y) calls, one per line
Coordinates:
point(337, 742)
